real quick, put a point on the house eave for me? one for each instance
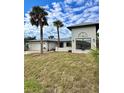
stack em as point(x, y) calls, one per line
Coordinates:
point(83, 25)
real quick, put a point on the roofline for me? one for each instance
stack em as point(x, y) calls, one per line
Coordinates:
point(40, 40)
point(48, 40)
point(82, 25)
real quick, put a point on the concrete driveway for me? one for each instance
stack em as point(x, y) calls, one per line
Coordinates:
point(30, 52)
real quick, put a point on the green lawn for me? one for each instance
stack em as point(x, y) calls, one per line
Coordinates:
point(60, 73)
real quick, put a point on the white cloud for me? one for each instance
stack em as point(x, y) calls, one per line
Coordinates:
point(67, 8)
point(56, 7)
point(76, 17)
point(68, 1)
point(88, 4)
point(80, 20)
point(96, 2)
point(74, 1)
point(66, 13)
point(79, 8)
point(46, 7)
point(79, 1)
point(30, 30)
point(92, 9)
point(56, 12)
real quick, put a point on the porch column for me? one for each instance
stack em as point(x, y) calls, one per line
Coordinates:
point(64, 44)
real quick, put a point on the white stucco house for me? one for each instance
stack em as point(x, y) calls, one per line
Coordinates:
point(84, 37)
point(82, 40)
point(50, 44)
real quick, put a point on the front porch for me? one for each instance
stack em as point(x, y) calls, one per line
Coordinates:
point(64, 46)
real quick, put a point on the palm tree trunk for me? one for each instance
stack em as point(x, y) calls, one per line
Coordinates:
point(58, 37)
point(41, 39)
point(48, 46)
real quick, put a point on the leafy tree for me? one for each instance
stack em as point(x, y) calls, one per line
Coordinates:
point(51, 37)
point(38, 18)
point(58, 24)
point(29, 38)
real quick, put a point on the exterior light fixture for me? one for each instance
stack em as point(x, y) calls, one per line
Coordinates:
point(93, 40)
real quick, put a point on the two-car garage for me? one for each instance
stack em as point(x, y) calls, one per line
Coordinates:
point(34, 46)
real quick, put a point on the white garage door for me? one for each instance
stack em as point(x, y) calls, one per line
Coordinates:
point(34, 46)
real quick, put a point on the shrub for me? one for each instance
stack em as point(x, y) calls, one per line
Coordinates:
point(95, 54)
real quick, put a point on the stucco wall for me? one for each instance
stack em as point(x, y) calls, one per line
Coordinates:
point(51, 45)
point(35, 46)
point(64, 48)
point(91, 32)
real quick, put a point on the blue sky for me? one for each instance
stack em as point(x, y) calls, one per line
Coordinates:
point(70, 12)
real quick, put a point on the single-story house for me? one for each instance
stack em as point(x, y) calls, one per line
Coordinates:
point(50, 44)
point(82, 40)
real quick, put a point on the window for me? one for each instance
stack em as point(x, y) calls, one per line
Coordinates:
point(61, 44)
point(68, 44)
point(83, 43)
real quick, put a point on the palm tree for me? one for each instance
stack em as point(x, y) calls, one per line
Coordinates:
point(38, 18)
point(58, 24)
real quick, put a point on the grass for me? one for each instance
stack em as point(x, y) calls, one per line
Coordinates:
point(95, 54)
point(61, 73)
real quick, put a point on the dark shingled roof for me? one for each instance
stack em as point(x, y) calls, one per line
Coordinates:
point(83, 24)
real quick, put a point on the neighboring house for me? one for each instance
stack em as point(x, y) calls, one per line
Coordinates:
point(50, 45)
point(84, 37)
